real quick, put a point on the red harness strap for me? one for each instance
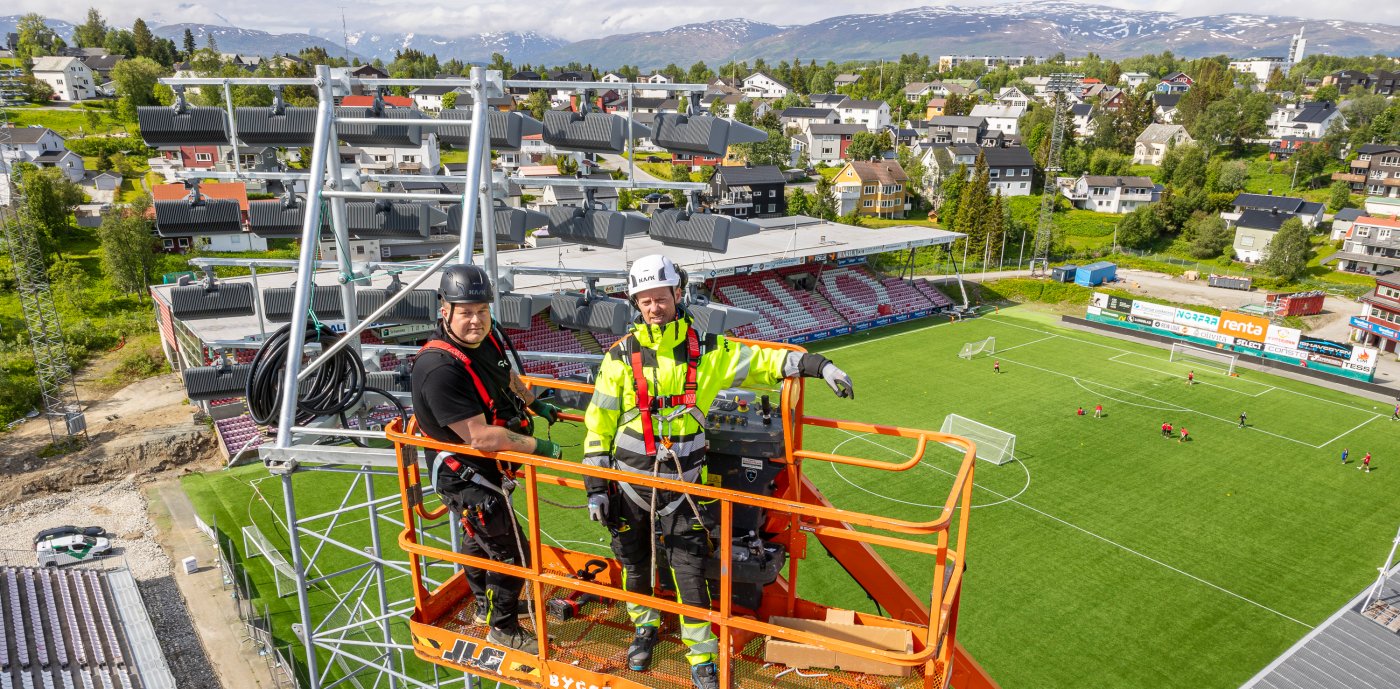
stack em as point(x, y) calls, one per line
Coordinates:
point(476, 379)
point(645, 401)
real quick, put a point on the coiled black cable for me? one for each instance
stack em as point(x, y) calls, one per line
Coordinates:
point(331, 389)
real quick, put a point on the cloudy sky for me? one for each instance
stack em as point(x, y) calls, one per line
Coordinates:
point(579, 19)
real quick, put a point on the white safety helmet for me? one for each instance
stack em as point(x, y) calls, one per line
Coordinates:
point(650, 272)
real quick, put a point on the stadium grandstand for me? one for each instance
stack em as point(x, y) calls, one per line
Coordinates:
point(807, 279)
point(70, 628)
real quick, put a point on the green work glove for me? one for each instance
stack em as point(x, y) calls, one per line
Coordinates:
point(545, 410)
point(548, 448)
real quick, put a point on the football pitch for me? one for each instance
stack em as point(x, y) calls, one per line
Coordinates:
point(1104, 556)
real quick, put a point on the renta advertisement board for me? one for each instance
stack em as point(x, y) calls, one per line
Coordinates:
point(1243, 326)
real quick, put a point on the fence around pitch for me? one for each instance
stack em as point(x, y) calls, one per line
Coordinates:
point(803, 517)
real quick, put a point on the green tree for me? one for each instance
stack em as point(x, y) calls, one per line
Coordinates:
point(145, 42)
point(1286, 257)
point(187, 44)
point(49, 200)
point(121, 42)
point(1233, 175)
point(566, 165)
point(1206, 235)
point(1310, 161)
point(820, 82)
point(853, 218)
point(823, 206)
point(449, 100)
point(1327, 93)
point(136, 81)
point(913, 165)
point(537, 103)
point(743, 112)
point(1105, 161)
point(128, 252)
point(36, 39)
point(950, 194)
point(1340, 197)
point(1140, 228)
point(869, 146)
point(91, 33)
point(1189, 168)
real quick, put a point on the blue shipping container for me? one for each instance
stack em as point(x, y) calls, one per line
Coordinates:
point(1096, 274)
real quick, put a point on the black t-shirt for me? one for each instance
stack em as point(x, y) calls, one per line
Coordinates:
point(444, 393)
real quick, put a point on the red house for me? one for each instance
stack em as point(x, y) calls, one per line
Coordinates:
point(192, 157)
point(1379, 322)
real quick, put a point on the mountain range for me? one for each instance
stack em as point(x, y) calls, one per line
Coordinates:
point(1039, 27)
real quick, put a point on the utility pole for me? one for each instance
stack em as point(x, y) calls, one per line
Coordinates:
point(62, 408)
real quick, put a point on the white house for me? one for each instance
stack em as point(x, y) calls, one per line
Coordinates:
point(429, 98)
point(1013, 97)
point(760, 85)
point(613, 78)
point(69, 78)
point(1312, 119)
point(1132, 80)
point(1110, 194)
point(1082, 115)
point(874, 114)
point(657, 78)
point(1005, 118)
point(1154, 141)
point(42, 147)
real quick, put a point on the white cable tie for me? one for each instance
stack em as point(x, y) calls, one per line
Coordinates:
point(815, 674)
point(784, 672)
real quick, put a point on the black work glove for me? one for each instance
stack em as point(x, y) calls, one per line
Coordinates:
point(546, 411)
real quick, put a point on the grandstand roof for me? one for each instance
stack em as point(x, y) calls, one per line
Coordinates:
point(785, 241)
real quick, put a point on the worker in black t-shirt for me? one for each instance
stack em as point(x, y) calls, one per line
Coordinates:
point(465, 391)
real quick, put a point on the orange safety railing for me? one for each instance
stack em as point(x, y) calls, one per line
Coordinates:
point(805, 510)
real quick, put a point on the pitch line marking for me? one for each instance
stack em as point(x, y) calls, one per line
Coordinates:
point(1081, 384)
point(859, 487)
point(1005, 321)
point(1353, 430)
point(1127, 549)
point(1116, 360)
point(1023, 344)
point(1182, 409)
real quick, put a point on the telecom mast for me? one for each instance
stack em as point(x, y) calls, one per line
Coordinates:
point(1058, 85)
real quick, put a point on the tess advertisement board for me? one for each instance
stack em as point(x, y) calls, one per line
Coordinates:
point(1243, 326)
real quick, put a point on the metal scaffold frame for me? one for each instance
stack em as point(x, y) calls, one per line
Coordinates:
point(356, 635)
point(1058, 85)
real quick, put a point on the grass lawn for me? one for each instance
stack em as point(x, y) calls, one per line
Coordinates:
point(1105, 557)
point(829, 173)
point(70, 122)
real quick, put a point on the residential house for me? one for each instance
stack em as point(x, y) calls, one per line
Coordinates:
point(1254, 229)
point(1371, 246)
point(613, 78)
point(656, 78)
point(1081, 116)
point(827, 143)
point(69, 78)
point(1164, 107)
point(826, 100)
point(915, 90)
point(250, 159)
point(724, 85)
point(1132, 80)
point(1111, 194)
point(1380, 81)
point(877, 189)
point(1004, 118)
point(723, 103)
point(429, 98)
point(761, 85)
point(1010, 170)
point(1261, 68)
point(1013, 97)
point(522, 92)
point(696, 160)
point(40, 146)
point(1175, 83)
point(935, 107)
point(873, 114)
point(1379, 323)
point(1343, 220)
point(949, 62)
point(367, 100)
point(102, 66)
point(845, 79)
point(1283, 149)
point(180, 233)
point(957, 129)
point(1289, 207)
point(801, 118)
point(199, 157)
point(1112, 99)
point(746, 191)
point(1153, 142)
point(1312, 119)
point(1375, 171)
point(575, 196)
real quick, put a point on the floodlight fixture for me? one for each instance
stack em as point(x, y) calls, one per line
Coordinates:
point(701, 133)
point(590, 310)
point(592, 225)
point(278, 303)
point(220, 381)
point(397, 131)
point(506, 129)
point(192, 302)
point(710, 318)
point(277, 125)
point(517, 311)
point(694, 229)
point(587, 131)
point(181, 124)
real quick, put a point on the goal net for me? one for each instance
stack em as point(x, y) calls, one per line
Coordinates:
point(993, 445)
point(1200, 356)
point(255, 544)
point(973, 349)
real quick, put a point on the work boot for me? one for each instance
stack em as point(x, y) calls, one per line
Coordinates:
point(639, 653)
point(482, 613)
point(705, 675)
point(517, 638)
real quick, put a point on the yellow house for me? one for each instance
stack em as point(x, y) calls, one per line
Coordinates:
point(935, 108)
point(878, 188)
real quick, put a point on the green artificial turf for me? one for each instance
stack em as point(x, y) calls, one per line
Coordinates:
point(1105, 556)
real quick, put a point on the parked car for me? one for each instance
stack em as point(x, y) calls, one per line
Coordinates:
point(65, 545)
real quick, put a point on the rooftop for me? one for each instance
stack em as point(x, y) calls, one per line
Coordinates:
point(1262, 220)
point(742, 174)
point(1159, 133)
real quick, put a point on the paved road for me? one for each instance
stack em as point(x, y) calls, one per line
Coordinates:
point(617, 162)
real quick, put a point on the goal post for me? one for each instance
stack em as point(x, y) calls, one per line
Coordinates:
point(993, 445)
point(1212, 358)
point(975, 349)
point(255, 544)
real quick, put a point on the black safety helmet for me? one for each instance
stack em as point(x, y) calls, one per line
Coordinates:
point(465, 284)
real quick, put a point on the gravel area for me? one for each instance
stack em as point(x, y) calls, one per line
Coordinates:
point(121, 508)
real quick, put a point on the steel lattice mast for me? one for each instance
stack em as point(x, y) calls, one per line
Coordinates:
point(1056, 88)
point(52, 367)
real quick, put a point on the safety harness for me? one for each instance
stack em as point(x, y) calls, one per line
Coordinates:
point(518, 422)
point(647, 404)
